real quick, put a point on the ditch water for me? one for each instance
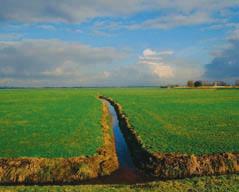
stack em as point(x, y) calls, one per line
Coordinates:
point(127, 172)
point(122, 150)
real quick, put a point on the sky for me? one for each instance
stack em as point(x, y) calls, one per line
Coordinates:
point(117, 43)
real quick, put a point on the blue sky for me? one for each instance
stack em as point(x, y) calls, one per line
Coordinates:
point(117, 43)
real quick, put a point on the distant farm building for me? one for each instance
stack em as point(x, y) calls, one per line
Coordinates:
point(237, 82)
point(199, 83)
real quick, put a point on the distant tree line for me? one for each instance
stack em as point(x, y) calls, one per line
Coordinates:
point(200, 83)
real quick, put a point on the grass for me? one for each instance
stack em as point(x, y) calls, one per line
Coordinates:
point(49, 123)
point(203, 184)
point(66, 123)
point(182, 120)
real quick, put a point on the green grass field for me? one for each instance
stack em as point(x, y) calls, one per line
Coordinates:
point(66, 123)
point(182, 120)
point(49, 123)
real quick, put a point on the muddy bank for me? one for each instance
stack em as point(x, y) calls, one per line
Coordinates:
point(63, 170)
point(172, 165)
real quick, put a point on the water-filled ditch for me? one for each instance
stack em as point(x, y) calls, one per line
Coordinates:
point(122, 150)
point(127, 172)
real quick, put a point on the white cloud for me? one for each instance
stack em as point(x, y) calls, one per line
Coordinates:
point(58, 71)
point(47, 27)
point(163, 71)
point(9, 36)
point(175, 20)
point(155, 68)
point(154, 61)
point(148, 52)
point(64, 10)
point(234, 35)
point(178, 11)
point(139, 74)
point(5, 81)
point(58, 63)
point(106, 74)
point(49, 61)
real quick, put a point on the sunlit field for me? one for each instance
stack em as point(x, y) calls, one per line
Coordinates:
point(67, 123)
point(49, 123)
point(182, 120)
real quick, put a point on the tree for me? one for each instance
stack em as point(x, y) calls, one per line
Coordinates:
point(197, 83)
point(190, 83)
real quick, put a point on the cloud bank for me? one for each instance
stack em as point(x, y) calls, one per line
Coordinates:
point(154, 61)
point(226, 63)
point(54, 61)
point(187, 12)
point(57, 63)
point(64, 10)
point(154, 68)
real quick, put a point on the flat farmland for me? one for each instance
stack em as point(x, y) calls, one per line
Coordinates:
point(191, 121)
point(49, 123)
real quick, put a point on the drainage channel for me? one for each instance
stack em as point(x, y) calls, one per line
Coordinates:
point(122, 150)
point(127, 172)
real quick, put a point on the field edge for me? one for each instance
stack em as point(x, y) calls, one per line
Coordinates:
point(208, 183)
